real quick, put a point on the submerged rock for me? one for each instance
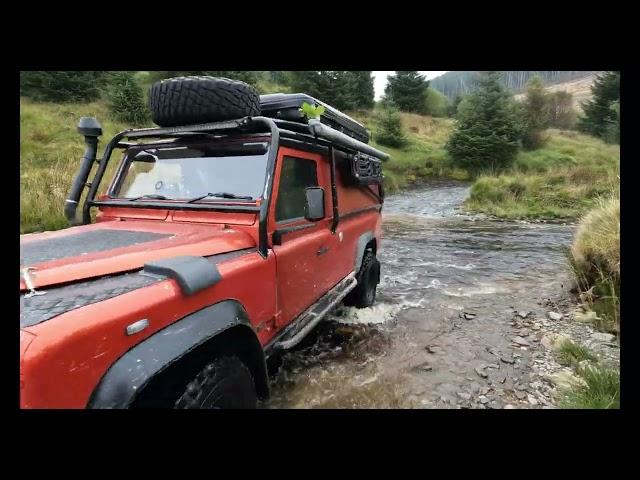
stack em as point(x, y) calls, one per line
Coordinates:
point(423, 367)
point(586, 317)
point(520, 341)
point(603, 337)
point(554, 341)
point(554, 316)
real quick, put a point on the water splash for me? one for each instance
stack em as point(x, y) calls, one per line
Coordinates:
point(377, 314)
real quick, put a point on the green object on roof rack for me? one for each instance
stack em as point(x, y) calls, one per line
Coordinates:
point(311, 111)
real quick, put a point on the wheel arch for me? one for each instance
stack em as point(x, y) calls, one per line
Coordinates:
point(366, 241)
point(150, 374)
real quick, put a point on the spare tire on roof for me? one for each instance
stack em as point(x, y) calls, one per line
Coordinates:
point(194, 100)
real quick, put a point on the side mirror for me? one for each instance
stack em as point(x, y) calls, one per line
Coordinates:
point(314, 205)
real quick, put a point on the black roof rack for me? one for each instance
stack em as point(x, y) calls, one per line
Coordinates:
point(286, 106)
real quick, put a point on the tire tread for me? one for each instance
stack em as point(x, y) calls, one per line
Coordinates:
point(200, 99)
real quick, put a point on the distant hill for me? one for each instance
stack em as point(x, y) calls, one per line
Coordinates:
point(456, 83)
point(579, 88)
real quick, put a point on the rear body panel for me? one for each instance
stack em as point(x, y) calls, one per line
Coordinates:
point(311, 259)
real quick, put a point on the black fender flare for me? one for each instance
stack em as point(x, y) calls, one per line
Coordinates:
point(128, 375)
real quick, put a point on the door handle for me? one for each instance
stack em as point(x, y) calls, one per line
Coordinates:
point(322, 250)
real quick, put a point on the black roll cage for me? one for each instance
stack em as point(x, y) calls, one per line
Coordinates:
point(281, 131)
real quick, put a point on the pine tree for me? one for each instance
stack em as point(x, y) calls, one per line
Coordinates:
point(536, 114)
point(125, 98)
point(319, 84)
point(612, 133)
point(453, 106)
point(343, 90)
point(436, 104)
point(61, 86)
point(389, 131)
point(487, 130)
point(360, 92)
point(598, 114)
point(561, 112)
point(408, 91)
point(279, 76)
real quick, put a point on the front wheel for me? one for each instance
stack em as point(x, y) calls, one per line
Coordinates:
point(224, 383)
point(364, 295)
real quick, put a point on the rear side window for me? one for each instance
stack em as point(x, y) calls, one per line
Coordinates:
point(296, 175)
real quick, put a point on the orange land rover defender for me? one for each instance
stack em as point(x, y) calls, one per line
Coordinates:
point(223, 236)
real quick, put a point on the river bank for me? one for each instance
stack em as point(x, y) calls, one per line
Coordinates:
point(468, 315)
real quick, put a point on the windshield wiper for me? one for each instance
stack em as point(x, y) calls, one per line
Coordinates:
point(153, 196)
point(221, 195)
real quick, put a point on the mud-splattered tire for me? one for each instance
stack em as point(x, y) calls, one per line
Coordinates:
point(364, 295)
point(224, 383)
point(194, 100)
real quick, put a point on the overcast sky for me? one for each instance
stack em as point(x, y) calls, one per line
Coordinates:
point(380, 80)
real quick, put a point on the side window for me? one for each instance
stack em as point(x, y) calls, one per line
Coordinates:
point(296, 175)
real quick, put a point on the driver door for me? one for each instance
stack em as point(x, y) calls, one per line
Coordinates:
point(298, 244)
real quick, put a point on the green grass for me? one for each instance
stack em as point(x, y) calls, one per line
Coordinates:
point(601, 390)
point(266, 86)
point(50, 153)
point(424, 155)
point(595, 261)
point(600, 384)
point(562, 180)
point(51, 148)
point(572, 354)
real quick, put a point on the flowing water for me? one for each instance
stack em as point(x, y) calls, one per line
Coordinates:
point(416, 348)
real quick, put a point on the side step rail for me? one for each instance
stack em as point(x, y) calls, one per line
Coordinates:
point(312, 316)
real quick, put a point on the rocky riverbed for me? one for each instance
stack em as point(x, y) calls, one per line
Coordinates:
point(470, 313)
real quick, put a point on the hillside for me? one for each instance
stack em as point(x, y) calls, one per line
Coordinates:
point(457, 83)
point(579, 88)
point(563, 179)
point(560, 180)
point(51, 148)
point(50, 152)
point(423, 157)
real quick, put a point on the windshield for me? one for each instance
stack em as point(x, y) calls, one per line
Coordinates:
point(186, 172)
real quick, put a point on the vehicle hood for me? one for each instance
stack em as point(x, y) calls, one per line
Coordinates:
point(107, 248)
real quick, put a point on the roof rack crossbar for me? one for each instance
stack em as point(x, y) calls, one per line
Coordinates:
point(204, 127)
point(322, 131)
